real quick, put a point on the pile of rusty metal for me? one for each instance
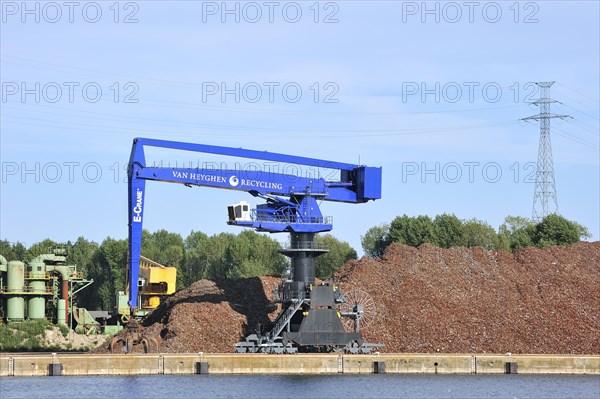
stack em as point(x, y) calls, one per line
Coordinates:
point(427, 299)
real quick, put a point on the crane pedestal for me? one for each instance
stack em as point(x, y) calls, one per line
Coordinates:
point(309, 320)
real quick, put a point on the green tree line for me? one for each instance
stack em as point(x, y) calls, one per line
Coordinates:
point(198, 256)
point(449, 231)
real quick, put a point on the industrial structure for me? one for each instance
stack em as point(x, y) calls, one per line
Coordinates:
point(155, 282)
point(310, 320)
point(545, 200)
point(42, 289)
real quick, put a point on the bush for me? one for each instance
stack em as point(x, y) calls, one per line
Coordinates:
point(10, 338)
point(32, 344)
point(35, 327)
point(64, 330)
point(27, 335)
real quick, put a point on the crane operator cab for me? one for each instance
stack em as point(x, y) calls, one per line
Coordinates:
point(239, 212)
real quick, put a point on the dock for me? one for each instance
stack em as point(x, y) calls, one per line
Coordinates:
point(69, 364)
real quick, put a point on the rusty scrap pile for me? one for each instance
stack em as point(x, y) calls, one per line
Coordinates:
point(456, 300)
point(463, 300)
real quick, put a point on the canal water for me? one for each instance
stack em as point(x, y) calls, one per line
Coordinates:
point(329, 386)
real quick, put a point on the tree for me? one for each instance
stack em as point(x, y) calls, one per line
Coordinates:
point(552, 230)
point(82, 254)
point(251, 254)
point(248, 254)
point(339, 253)
point(195, 263)
point(376, 240)
point(517, 232)
point(413, 231)
point(163, 247)
point(448, 230)
point(219, 259)
point(39, 248)
point(477, 233)
point(557, 230)
point(167, 249)
point(12, 251)
point(514, 223)
point(108, 270)
point(248, 268)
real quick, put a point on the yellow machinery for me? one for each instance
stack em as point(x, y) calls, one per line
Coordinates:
point(155, 281)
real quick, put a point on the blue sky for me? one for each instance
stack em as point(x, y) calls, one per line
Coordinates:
point(432, 92)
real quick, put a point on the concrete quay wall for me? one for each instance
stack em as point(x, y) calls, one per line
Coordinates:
point(18, 365)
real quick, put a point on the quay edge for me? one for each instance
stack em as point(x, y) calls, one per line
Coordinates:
point(21, 365)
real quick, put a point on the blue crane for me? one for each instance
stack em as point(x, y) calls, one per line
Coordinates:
point(291, 205)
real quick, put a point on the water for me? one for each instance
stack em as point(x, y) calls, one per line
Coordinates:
point(279, 387)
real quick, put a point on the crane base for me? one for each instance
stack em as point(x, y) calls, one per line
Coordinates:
point(255, 344)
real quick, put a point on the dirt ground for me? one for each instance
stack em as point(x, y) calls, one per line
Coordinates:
point(428, 299)
point(53, 337)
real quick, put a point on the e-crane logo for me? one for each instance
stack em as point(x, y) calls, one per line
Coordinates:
point(138, 206)
point(234, 181)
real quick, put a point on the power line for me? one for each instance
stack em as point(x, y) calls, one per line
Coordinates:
point(581, 94)
point(596, 118)
point(586, 126)
point(576, 139)
point(339, 133)
point(223, 108)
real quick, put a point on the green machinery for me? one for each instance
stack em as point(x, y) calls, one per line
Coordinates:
point(44, 288)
